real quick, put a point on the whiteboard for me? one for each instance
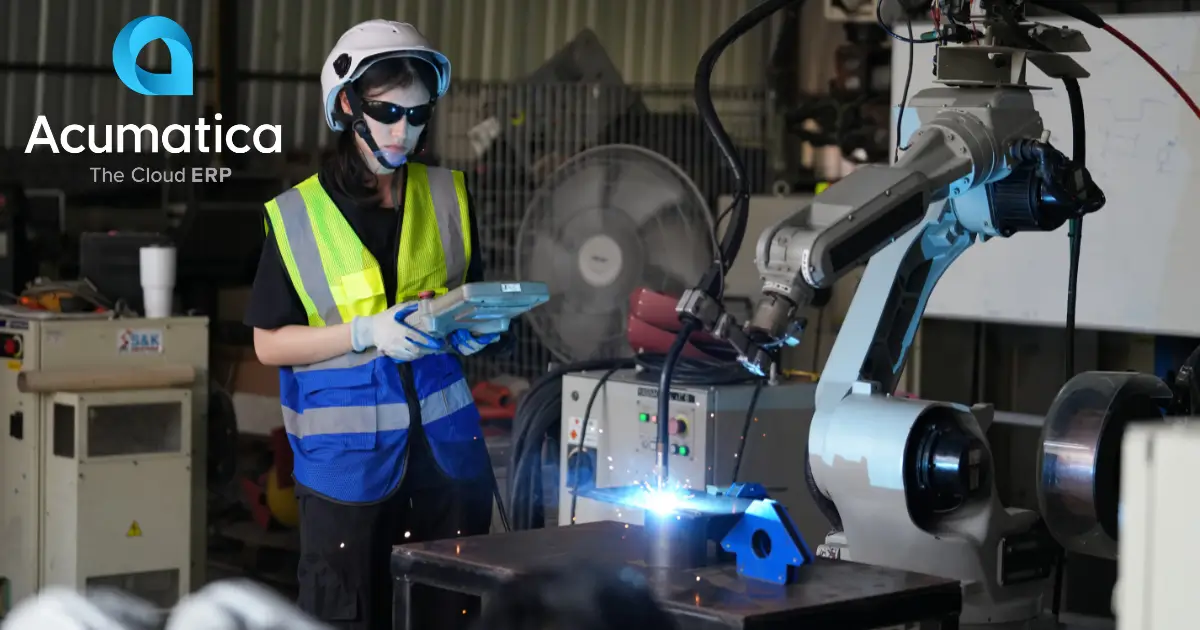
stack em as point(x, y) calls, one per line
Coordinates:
point(1140, 263)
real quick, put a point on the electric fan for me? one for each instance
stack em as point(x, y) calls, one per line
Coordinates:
point(610, 221)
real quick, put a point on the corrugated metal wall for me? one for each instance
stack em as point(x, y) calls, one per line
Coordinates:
point(651, 41)
point(72, 41)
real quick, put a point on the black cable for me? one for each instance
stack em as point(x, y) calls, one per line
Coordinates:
point(732, 240)
point(1075, 229)
point(737, 465)
point(887, 29)
point(696, 372)
point(539, 410)
point(1075, 235)
point(587, 415)
point(550, 385)
point(714, 279)
point(500, 504)
point(912, 52)
point(664, 396)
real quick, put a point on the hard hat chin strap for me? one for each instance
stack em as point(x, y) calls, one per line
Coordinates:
point(364, 131)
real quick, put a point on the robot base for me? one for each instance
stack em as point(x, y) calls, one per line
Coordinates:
point(862, 454)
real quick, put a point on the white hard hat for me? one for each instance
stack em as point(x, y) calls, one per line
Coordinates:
point(372, 41)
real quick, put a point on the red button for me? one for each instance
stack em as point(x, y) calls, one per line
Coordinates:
point(673, 427)
point(425, 295)
point(10, 346)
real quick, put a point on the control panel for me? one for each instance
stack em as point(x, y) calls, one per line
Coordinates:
point(707, 437)
point(680, 435)
point(622, 441)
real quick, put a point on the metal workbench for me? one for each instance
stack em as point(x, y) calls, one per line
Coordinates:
point(831, 594)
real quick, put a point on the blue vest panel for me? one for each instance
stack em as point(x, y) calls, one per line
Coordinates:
point(347, 420)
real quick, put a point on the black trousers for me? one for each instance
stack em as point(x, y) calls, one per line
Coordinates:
point(345, 574)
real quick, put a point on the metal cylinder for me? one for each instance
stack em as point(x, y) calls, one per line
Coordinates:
point(1079, 467)
point(675, 541)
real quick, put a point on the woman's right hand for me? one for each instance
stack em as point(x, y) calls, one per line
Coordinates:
point(394, 334)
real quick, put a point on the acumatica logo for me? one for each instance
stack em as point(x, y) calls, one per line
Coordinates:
point(201, 137)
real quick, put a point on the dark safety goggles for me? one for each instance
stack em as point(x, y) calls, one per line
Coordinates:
point(391, 113)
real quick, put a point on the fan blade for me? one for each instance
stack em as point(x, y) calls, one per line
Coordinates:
point(579, 203)
point(584, 334)
point(662, 280)
point(643, 193)
point(617, 342)
point(680, 252)
point(550, 262)
point(582, 188)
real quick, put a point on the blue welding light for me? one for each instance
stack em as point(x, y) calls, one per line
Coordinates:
point(662, 500)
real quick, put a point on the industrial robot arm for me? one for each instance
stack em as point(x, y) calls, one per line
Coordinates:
point(978, 167)
point(908, 482)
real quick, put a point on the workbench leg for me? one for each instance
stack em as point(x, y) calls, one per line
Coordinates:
point(402, 604)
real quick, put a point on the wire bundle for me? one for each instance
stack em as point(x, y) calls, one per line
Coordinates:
point(538, 416)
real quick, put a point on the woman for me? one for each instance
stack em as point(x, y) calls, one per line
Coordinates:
point(386, 436)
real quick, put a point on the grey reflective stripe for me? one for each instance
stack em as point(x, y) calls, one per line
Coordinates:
point(445, 402)
point(338, 420)
point(353, 359)
point(303, 244)
point(389, 417)
point(449, 218)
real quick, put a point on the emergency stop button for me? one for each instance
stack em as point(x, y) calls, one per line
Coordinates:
point(678, 426)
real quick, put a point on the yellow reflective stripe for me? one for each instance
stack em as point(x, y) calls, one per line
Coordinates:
point(464, 211)
point(282, 240)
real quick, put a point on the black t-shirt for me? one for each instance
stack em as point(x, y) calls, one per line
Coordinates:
point(274, 302)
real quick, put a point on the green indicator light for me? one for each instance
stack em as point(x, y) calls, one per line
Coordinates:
point(683, 450)
point(643, 417)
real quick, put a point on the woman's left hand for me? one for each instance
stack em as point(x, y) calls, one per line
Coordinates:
point(465, 343)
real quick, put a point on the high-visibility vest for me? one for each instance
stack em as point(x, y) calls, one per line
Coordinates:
point(347, 418)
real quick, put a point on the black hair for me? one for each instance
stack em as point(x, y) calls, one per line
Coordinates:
point(574, 598)
point(349, 172)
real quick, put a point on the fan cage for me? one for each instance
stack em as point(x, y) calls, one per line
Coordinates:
point(541, 126)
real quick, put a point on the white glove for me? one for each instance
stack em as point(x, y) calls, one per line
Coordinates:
point(60, 607)
point(465, 343)
point(240, 604)
point(393, 334)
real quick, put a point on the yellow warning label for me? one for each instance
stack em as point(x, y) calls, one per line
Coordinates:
point(14, 366)
point(134, 530)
